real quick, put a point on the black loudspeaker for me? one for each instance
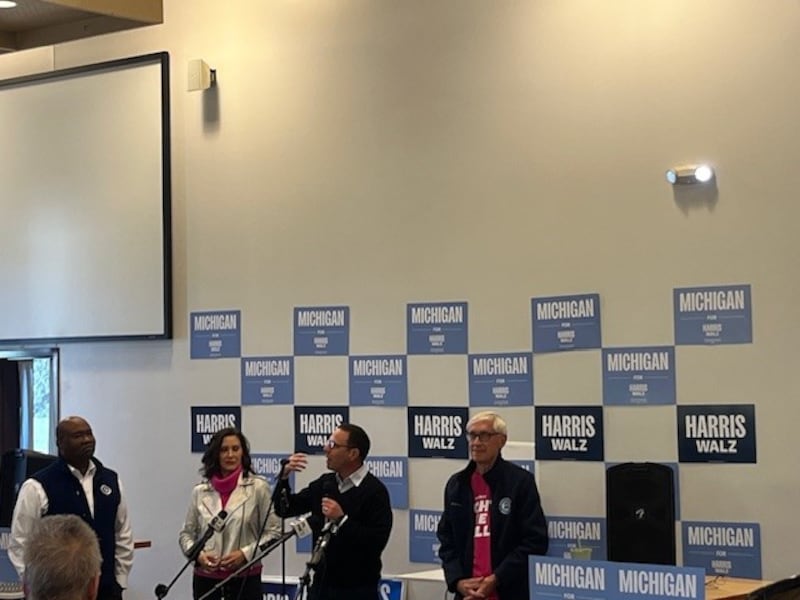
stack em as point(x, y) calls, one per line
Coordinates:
point(640, 513)
point(15, 467)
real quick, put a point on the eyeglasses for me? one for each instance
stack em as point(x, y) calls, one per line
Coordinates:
point(481, 436)
point(332, 444)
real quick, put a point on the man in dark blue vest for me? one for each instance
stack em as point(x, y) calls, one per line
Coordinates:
point(78, 484)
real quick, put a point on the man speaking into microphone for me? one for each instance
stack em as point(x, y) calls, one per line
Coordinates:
point(350, 508)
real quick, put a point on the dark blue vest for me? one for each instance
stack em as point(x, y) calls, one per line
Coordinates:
point(65, 497)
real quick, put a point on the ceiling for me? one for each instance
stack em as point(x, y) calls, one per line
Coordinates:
point(35, 23)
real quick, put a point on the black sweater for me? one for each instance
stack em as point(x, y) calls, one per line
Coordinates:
point(353, 555)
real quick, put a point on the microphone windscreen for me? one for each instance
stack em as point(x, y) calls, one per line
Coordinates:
point(329, 488)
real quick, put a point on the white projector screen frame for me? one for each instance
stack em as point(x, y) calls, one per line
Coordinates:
point(85, 241)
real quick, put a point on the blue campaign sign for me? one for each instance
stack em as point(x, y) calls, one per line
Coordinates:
point(713, 315)
point(277, 591)
point(391, 589)
point(601, 580)
point(423, 545)
point(566, 323)
point(9, 579)
point(268, 380)
point(215, 334)
point(437, 432)
point(641, 375)
point(528, 465)
point(269, 467)
point(303, 545)
point(717, 433)
point(568, 533)
point(207, 420)
point(313, 425)
point(378, 381)
point(724, 549)
point(321, 330)
point(437, 328)
point(501, 379)
point(569, 433)
point(393, 472)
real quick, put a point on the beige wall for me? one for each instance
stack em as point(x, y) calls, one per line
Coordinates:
point(372, 153)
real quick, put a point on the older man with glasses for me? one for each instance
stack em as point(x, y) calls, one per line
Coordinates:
point(351, 508)
point(492, 519)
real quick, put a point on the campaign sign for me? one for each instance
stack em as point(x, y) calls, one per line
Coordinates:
point(207, 420)
point(569, 433)
point(713, 315)
point(717, 433)
point(566, 323)
point(9, 579)
point(724, 549)
point(268, 380)
point(313, 426)
point(321, 330)
point(378, 381)
point(644, 375)
point(304, 545)
point(436, 328)
point(528, 465)
point(215, 334)
point(393, 472)
point(391, 589)
point(423, 545)
point(437, 432)
point(567, 533)
point(269, 467)
point(271, 590)
point(500, 379)
point(601, 580)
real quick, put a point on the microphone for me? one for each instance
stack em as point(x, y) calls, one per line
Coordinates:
point(299, 528)
point(217, 524)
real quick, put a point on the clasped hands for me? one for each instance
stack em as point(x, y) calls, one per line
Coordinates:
point(474, 588)
point(230, 562)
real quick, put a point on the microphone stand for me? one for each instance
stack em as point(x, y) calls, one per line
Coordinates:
point(317, 554)
point(265, 549)
point(162, 590)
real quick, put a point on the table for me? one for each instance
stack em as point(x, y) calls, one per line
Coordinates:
point(731, 588)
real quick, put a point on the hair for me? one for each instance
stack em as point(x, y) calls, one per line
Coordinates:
point(62, 557)
point(211, 455)
point(357, 438)
point(498, 424)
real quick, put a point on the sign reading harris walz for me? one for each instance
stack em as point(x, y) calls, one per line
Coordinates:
point(566, 322)
point(436, 328)
point(500, 379)
point(437, 432)
point(208, 420)
point(599, 580)
point(569, 433)
point(313, 426)
point(215, 334)
point(639, 375)
point(321, 330)
point(713, 315)
point(725, 549)
point(717, 433)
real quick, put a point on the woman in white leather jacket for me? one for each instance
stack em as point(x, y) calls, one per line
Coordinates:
point(230, 505)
